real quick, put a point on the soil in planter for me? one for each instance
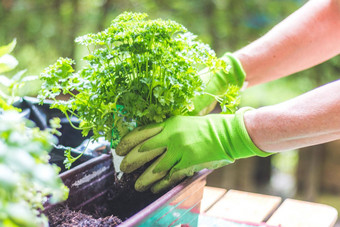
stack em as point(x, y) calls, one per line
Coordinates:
point(61, 215)
point(118, 202)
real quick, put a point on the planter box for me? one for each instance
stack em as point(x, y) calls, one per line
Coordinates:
point(95, 189)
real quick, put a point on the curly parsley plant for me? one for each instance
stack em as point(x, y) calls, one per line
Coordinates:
point(138, 71)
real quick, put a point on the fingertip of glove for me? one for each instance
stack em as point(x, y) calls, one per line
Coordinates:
point(140, 187)
point(159, 169)
point(137, 136)
point(156, 190)
point(127, 142)
point(126, 167)
point(167, 182)
point(237, 67)
point(121, 149)
point(160, 186)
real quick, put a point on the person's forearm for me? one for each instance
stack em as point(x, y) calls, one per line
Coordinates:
point(309, 36)
point(306, 120)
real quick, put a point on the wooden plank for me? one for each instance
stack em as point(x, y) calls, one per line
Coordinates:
point(210, 196)
point(295, 213)
point(191, 197)
point(244, 206)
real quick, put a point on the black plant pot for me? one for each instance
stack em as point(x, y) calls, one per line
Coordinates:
point(41, 114)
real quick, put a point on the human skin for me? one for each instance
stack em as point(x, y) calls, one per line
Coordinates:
point(306, 38)
point(309, 119)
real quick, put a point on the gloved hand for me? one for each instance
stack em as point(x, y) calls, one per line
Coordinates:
point(185, 144)
point(217, 84)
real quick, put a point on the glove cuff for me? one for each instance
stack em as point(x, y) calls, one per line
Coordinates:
point(244, 146)
point(236, 67)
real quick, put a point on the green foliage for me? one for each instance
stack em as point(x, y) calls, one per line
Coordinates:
point(69, 159)
point(27, 180)
point(230, 100)
point(138, 71)
point(4, 106)
point(11, 85)
point(7, 61)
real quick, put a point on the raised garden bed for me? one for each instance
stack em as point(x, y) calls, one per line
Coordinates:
point(98, 198)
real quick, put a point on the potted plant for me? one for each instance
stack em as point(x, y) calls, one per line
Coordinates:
point(138, 71)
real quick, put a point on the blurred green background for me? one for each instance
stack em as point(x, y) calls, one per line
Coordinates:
point(45, 30)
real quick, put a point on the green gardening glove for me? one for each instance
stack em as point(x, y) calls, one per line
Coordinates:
point(185, 145)
point(217, 84)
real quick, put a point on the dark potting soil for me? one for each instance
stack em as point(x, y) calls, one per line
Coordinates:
point(61, 215)
point(118, 202)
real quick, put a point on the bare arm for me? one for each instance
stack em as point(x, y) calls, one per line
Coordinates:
point(309, 36)
point(306, 120)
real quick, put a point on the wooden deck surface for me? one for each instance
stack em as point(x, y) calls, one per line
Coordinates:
point(269, 210)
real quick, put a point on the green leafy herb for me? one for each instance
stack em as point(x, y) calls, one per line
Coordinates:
point(230, 100)
point(69, 158)
point(27, 180)
point(138, 71)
